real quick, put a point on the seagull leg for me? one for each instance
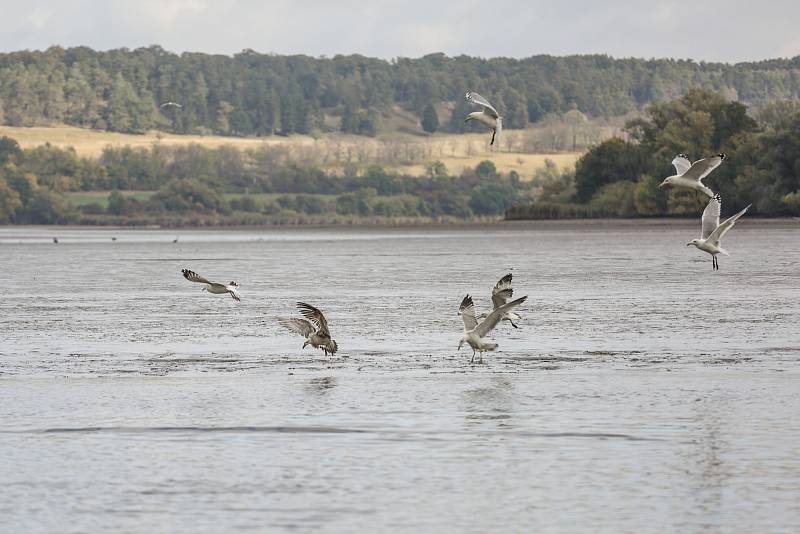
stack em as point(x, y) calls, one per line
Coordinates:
point(481, 358)
point(493, 134)
point(512, 324)
point(472, 360)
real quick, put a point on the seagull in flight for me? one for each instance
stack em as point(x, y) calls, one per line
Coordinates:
point(488, 115)
point(314, 328)
point(474, 332)
point(212, 287)
point(501, 293)
point(170, 105)
point(713, 231)
point(690, 175)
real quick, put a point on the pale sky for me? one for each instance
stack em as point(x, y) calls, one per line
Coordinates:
point(713, 30)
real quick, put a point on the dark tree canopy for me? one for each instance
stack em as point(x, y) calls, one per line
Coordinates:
point(262, 94)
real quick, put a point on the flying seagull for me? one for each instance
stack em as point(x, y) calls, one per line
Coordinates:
point(690, 175)
point(314, 329)
point(474, 332)
point(170, 105)
point(501, 293)
point(488, 115)
point(212, 287)
point(713, 231)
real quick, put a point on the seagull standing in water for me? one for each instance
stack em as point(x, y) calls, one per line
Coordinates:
point(474, 332)
point(690, 175)
point(488, 115)
point(713, 231)
point(314, 329)
point(212, 287)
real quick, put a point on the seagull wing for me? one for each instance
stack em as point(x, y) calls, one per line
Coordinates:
point(681, 164)
point(493, 318)
point(467, 311)
point(723, 228)
point(702, 167)
point(194, 277)
point(477, 99)
point(299, 326)
point(502, 291)
point(315, 316)
point(711, 217)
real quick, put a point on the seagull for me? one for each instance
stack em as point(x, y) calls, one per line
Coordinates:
point(315, 329)
point(501, 292)
point(713, 231)
point(474, 332)
point(175, 240)
point(212, 287)
point(170, 105)
point(487, 116)
point(690, 175)
point(55, 240)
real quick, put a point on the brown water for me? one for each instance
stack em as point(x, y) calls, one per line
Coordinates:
point(643, 391)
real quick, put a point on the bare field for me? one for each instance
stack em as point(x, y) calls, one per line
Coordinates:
point(405, 153)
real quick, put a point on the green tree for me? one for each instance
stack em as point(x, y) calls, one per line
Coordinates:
point(430, 119)
point(608, 162)
point(9, 202)
point(117, 203)
point(647, 198)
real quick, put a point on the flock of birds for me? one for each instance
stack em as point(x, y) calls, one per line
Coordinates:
point(314, 326)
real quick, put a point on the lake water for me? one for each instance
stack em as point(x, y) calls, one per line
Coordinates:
point(642, 392)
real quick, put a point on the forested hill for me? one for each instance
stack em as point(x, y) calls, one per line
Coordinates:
point(259, 94)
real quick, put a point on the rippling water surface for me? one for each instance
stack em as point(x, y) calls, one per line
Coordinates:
point(642, 392)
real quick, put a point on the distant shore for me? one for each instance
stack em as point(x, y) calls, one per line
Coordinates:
point(489, 224)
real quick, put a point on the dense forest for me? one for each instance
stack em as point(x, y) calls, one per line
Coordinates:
point(619, 178)
point(615, 178)
point(259, 94)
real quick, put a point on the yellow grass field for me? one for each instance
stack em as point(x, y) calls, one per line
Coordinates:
point(401, 152)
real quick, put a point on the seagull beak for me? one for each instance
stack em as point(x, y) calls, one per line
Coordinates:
point(689, 244)
point(661, 185)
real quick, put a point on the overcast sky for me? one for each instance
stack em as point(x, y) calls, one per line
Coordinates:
point(711, 30)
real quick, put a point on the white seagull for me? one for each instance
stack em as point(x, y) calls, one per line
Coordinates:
point(501, 293)
point(315, 329)
point(212, 287)
point(488, 115)
point(713, 231)
point(170, 105)
point(474, 332)
point(690, 175)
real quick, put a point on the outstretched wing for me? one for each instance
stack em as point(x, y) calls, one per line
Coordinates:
point(681, 163)
point(477, 99)
point(502, 291)
point(723, 228)
point(194, 277)
point(467, 311)
point(702, 167)
point(315, 316)
point(711, 216)
point(493, 318)
point(299, 326)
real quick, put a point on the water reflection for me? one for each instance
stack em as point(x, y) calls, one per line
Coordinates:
point(321, 385)
point(490, 403)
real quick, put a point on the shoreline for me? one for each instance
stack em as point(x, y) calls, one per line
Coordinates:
point(500, 223)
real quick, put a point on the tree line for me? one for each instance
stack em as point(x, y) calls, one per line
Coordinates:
point(264, 94)
point(620, 178)
point(197, 185)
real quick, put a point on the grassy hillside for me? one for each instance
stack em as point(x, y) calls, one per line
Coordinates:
point(407, 153)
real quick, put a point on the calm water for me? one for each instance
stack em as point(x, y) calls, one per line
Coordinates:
point(643, 391)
